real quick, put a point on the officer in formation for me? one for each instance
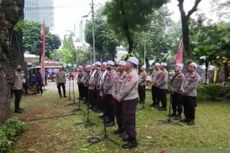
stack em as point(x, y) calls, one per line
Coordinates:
point(61, 81)
point(142, 85)
point(189, 92)
point(155, 75)
point(114, 92)
point(175, 84)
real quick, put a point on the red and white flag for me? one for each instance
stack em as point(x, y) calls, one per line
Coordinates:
point(179, 53)
point(42, 51)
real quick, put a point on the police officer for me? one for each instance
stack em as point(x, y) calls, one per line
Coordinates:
point(128, 96)
point(96, 81)
point(61, 81)
point(100, 99)
point(155, 75)
point(162, 84)
point(85, 79)
point(189, 90)
point(175, 86)
point(120, 76)
point(108, 88)
point(91, 86)
point(142, 84)
point(79, 82)
point(18, 88)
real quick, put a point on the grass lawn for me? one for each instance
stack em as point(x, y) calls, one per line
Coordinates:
point(50, 128)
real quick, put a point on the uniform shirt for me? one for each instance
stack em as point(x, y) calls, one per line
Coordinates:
point(79, 77)
point(176, 82)
point(117, 83)
point(60, 77)
point(109, 81)
point(97, 78)
point(142, 78)
point(190, 83)
point(129, 87)
point(101, 82)
point(91, 82)
point(162, 81)
point(18, 80)
point(155, 76)
point(85, 78)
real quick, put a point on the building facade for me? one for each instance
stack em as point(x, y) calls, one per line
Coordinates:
point(39, 11)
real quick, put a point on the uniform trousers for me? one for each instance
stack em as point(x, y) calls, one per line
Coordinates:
point(155, 97)
point(80, 89)
point(189, 104)
point(59, 86)
point(109, 107)
point(129, 118)
point(118, 114)
point(18, 96)
point(162, 97)
point(142, 94)
point(177, 103)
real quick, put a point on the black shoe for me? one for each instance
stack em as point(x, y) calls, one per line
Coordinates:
point(191, 123)
point(178, 117)
point(18, 111)
point(118, 131)
point(65, 97)
point(173, 114)
point(21, 109)
point(162, 109)
point(129, 145)
point(184, 120)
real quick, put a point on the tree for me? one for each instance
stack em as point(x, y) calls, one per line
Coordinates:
point(185, 25)
point(127, 17)
point(32, 38)
point(211, 42)
point(10, 51)
point(160, 39)
point(105, 39)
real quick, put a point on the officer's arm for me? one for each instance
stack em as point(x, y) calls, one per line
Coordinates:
point(130, 84)
point(193, 85)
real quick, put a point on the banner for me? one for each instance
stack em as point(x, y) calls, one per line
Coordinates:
point(42, 52)
point(179, 54)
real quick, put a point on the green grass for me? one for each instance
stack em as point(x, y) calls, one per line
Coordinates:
point(44, 134)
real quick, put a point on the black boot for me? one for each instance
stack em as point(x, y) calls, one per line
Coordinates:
point(132, 143)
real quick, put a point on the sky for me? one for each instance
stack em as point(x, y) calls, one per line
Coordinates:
point(68, 13)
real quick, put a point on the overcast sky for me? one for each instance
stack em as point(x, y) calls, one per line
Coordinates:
point(70, 12)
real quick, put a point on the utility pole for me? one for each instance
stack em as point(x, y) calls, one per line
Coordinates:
point(93, 32)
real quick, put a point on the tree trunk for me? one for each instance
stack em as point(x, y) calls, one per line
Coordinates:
point(126, 29)
point(185, 36)
point(10, 53)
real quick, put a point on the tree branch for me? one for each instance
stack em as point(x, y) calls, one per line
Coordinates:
point(181, 7)
point(194, 8)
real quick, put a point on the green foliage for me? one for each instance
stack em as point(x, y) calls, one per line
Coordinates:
point(69, 54)
point(8, 131)
point(127, 17)
point(211, 41)
point(32, 38)
point(105, 39)
point(213, 91)
point(161, 38)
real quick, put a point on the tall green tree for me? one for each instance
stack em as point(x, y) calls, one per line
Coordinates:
point(160, 39)
point(129, 16)
point(32, 38)
point(105, 39)
point(185, 25)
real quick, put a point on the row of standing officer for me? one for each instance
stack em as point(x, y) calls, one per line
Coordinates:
point(113, 90)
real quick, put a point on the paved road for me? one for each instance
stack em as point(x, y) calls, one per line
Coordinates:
point(53, 87)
